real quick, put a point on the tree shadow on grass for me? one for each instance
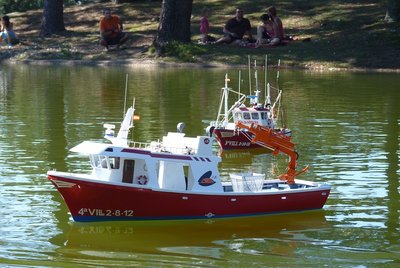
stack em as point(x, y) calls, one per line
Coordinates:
point(348, 34)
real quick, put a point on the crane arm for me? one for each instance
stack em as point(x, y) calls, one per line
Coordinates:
point(268, 138)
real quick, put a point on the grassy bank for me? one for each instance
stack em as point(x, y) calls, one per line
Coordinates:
point(344, 34)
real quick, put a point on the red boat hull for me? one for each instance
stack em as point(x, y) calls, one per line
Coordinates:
point(98, 201)
point(234, 140)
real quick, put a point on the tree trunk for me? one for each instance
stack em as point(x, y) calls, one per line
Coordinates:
point(174, 23)
point(53, 17)
point(393, 11)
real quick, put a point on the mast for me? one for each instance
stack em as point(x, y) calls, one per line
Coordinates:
point(126, 90)
point(226, 91)
point(268, 97)
point(267, 85)
point(279, 94)
point(239, 84)
point(249, 74)
point(277, 74)
point(256, 78)
point(224, 111)
point(265, 75)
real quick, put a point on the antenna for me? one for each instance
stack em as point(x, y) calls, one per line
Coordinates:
point(255, 74)
point(248, 57)
point(280, 100)
point(265, 75)
point(239, 84)
point(277, 74)
point(226, 92)
point(126, 90)
point(133, 116)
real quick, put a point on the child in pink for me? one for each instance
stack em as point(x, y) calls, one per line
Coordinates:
point(204, 25)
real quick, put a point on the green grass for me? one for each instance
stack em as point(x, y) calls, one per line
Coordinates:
point(344, 34)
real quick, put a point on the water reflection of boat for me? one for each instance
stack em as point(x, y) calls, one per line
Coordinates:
point(242, 155)
point(169, 236)
point(255, 159)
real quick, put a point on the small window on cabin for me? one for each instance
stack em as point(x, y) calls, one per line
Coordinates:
point(263, 115)
point(255, 116)
point(239, 115)
point(246, 116)
point(114, 162)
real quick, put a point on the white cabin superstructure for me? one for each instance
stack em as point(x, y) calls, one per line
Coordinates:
point(175, 163)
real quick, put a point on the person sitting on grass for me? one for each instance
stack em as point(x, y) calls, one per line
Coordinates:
point(235, 28)
point(7, 34)
point(265, 31)
point(111, 30)
point(205, 27)
point(279, 33)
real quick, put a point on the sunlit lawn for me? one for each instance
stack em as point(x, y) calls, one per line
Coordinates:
point(343, 34)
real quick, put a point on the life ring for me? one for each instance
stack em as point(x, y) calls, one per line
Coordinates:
point(142, 179)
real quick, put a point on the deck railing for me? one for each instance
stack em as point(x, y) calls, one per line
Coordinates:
point(159, 147)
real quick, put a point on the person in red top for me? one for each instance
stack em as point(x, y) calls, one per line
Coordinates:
point(111, 30)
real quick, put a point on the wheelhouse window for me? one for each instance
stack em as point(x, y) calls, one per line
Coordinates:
point(102, 161)
point(238, 116)
point(264, 115)
point(114, 162)
point(95, 161)
point(255, 116)
point(246, 116)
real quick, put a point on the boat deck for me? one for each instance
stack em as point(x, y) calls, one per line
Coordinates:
point(267, 186)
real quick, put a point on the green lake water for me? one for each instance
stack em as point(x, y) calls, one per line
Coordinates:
point(345, 126)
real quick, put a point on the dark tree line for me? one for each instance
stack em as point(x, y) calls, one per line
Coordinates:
point(8, 6)
point(53, 17)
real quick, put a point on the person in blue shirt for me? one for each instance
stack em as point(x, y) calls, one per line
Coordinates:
point(7, 34)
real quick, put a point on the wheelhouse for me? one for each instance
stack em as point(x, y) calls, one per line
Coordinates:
point(254, 115)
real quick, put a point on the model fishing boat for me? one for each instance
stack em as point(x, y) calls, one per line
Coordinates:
point(225, 128)
point(177, 178)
